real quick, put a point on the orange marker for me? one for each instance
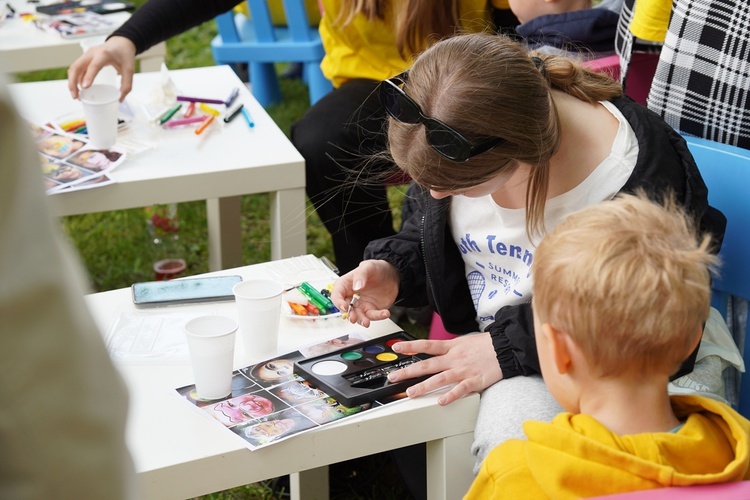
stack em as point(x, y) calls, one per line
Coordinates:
point(209, 119)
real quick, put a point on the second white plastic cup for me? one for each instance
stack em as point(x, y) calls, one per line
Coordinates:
point(100, 111)
point(259, 311)
point(211, 342)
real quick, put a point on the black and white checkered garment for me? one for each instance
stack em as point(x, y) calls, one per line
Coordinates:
point(702, 82)
point(626, 43)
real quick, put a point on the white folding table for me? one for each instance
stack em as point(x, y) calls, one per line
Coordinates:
point(179, 453)
point(176, 165)
point(24, 47)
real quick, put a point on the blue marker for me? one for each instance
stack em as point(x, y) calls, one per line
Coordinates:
point(248, 118)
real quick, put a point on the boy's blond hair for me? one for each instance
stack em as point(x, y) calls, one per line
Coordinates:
point(629, 282)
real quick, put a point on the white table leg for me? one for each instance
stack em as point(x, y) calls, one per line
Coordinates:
point(309, 484)
point(449, 467)
point(288, 224)
point(224, 232)
point(153, 58)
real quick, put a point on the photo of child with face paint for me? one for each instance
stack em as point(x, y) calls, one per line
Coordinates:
point(242, 409)
point(273, 427)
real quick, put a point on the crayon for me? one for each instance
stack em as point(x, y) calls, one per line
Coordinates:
point(199, 100)
point(248, 118)
point(232, 114)
point(169, 114)
point(73, 125)
point(312, 309)
point(208, 109)
point(232, 96)
point(298, 309)
point(184, 121)
point(209, 119)
point(189, 110)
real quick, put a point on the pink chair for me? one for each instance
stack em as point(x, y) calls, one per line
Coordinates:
point(640, 73)
point(609, 65)
point(438, 331)
point(725, 491)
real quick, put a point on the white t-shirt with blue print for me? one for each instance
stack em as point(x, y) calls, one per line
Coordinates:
point(496, 251)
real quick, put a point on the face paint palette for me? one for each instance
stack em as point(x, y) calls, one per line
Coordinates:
point(359, 374)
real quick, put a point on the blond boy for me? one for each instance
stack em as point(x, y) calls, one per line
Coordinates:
point(621, 291)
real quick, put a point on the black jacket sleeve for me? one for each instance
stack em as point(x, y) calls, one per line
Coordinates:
point(512, 335)
point(158, 20)
point(404, 250)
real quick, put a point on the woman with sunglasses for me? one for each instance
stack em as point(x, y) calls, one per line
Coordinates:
point(503, 144)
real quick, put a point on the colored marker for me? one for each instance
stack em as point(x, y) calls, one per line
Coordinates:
point(232, 97)
point(312, 309)
point(73, 125)
point(184, 121)
point(157, 116)
point(169, 114)
point(199, 99)
point(208, 109)
point(298, 309)
point(312, 293)
point(209, 119)
point(248, 118)
point(232, 114)
point(321, 305)
point(189, 110)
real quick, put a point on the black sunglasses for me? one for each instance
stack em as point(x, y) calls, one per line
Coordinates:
point(445, 140)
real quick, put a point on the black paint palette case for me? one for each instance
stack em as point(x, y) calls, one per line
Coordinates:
point(359, 374)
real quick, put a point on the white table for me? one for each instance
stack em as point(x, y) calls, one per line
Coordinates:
point(179, 453)
point(24, 47)
point(220, 165)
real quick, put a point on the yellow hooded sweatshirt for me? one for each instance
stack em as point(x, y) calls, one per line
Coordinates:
point(575, 456)
point(367, 49)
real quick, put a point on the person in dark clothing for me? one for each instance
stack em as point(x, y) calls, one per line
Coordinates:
point(364, 42)
point(568, 27)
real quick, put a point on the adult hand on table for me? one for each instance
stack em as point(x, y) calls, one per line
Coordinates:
point(117, 51)
point(376, 282)
point(468, 361)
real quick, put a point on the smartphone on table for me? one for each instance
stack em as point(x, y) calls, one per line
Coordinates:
point(184, 291)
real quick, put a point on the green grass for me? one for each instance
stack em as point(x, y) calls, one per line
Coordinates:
point(117, 250)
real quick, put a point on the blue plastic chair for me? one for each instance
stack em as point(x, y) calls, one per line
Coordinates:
point(726, 171)
point(259, 43)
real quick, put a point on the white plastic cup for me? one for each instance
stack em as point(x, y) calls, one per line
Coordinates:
point(108, 74)
point(211, 344)
point(259, 312)
point(100, 110)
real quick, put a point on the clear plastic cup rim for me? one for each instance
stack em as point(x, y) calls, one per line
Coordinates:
point(99, 94)
point(212, 326)
point(258, 289)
